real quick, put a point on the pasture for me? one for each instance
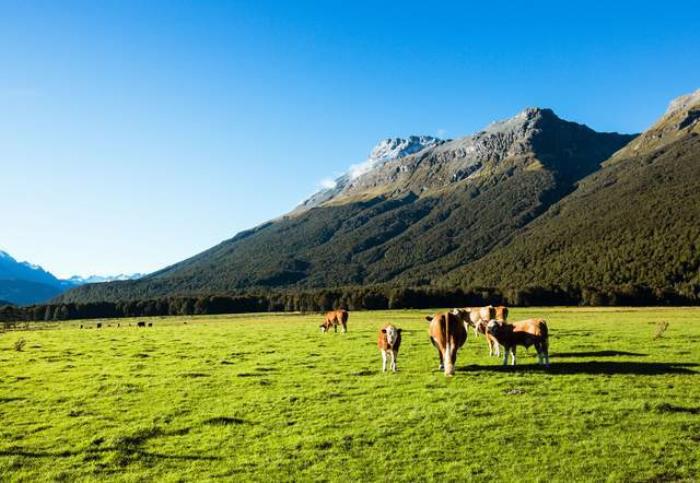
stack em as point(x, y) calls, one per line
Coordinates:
point(268, 397)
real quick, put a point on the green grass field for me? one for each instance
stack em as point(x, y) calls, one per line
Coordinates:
point(268, 397)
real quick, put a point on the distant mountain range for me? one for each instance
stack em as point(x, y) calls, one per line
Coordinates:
point(530, 201)
point(24, 283)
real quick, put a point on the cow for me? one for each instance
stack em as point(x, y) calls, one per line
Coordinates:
point(388, 342)
point(526, 333)
point(99, 325)
point(335, 318)
point(150, 324)
point(448, 334)
point(478, 318)
point(141, 324)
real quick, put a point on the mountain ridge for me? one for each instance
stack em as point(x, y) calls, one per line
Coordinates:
point(409, 219)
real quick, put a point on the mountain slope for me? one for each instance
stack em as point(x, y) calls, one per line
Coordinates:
point(24, 283)
point(409, 217)
point(636, 221)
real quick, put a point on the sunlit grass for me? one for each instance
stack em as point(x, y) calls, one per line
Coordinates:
point(269, 397)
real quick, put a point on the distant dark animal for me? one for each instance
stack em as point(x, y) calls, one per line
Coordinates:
point(448, 334)
point(335, 318)
point(99, 326)
point(141, 324)
point(81, 326)
point(118, 325)
point(389, 341)
point(525, 333)
point(150, 324)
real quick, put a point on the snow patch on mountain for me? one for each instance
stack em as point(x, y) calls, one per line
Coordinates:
point(386, 150)
point(78, 280)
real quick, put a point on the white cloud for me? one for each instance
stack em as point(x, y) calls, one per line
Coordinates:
point(328, 184)
point(357, 170)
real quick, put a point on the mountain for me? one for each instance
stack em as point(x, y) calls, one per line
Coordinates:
point(417, 209)
point(24, 283)
point(636, 221)
point(78, 280)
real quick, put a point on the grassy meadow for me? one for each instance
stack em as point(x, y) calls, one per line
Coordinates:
point(268, 397)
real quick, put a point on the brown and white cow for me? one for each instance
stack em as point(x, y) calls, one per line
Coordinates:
point(478, 318)
point(526, 333)
point(389, 341)
point(335, 318)
point(448, 334)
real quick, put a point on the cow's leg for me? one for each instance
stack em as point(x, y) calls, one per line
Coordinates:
point(505, 355)
point(345, 328)
point(383, 360)
point(476, 331)
point(393, 360)
point(512, 355)
point(442, 365)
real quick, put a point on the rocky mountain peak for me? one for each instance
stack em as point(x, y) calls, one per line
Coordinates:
point(683, 102)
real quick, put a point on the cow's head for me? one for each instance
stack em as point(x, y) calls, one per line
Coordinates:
point(498, 328)
point(392, 334)
point(324, 327)
point(463, 316)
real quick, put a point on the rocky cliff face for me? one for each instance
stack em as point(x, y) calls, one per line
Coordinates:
point(533, 139)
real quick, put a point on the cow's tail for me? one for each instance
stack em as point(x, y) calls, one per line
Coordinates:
point(448, 346)
point(544, 332)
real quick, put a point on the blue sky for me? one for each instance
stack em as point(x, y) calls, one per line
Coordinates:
point(135, 134)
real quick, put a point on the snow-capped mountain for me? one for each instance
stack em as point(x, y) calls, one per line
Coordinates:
point(386, 150)
point(78, 280)
point(27, 283)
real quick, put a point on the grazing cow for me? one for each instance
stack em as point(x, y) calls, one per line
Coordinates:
point(478, 318)
point(141, 324)
point(447, 333)
point(526, 333)
point(335, 318)
point(150, 324)
point(81, 326)
point(99, 325)
point(389, 341)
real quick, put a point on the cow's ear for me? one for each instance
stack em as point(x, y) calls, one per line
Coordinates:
point(383, 331)
point(429, 318)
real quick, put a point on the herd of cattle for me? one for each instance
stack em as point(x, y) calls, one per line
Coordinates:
point(448, 332)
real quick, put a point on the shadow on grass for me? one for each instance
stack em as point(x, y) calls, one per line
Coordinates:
point(593, 367)
point(128, 448)
point(597, 354)
point(133, 455)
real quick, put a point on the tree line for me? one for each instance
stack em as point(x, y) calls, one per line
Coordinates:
point(355, 298)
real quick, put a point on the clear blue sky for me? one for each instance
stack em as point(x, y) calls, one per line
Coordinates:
point(134, 134)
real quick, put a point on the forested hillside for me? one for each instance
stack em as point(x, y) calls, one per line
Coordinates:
point(408, 220)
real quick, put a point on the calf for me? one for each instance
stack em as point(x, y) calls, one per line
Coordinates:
point(526, 333)
point(448, 334)
point(335, 318)
point(389, 341)
point(140, 324)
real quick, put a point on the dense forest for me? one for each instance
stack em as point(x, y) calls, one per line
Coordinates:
point(353, 298)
